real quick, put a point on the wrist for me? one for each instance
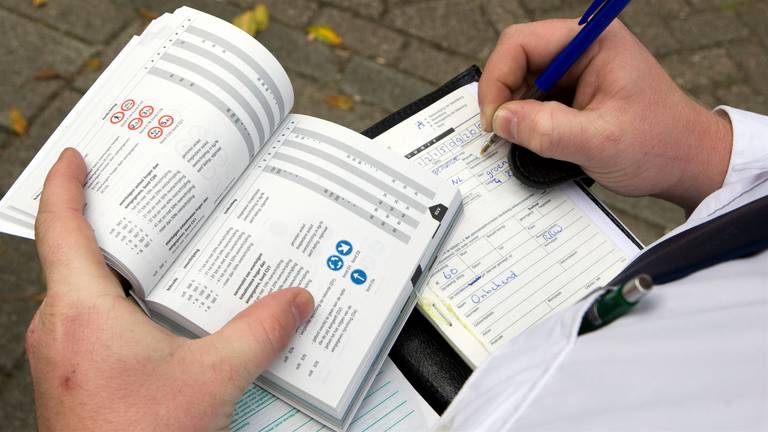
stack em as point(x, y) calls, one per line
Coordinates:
point(708, 138)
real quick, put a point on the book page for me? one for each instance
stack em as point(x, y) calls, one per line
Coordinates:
point(165, 133)
point(391, 404)
point(324, 210)
point(518, 254)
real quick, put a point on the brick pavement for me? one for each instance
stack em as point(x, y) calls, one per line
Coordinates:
point(717, 50)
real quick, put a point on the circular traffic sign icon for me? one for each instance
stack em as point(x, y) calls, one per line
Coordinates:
point(155, 132)
point(117, 117)
point(146, 111)
point(135, 123)
point(165, 121)
point(128, 105)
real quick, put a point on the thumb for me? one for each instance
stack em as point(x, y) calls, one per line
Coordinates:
point(256, 336)
point(549, 129)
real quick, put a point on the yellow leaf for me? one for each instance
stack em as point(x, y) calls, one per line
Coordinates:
point(246, 22)
point(324, 34)
point(47, 74)
point(91, 65)
point(147, 14)
point(261, 17)
point(341, 102)
point(39, 3)
point(19, 123)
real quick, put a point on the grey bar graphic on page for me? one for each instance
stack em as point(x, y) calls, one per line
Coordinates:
point(247, 59)
point(397, 193)
point(357, 190)
point(362, 156)
point(211, 98)
point(225, 86)
point(237, 73)
point(349, 205)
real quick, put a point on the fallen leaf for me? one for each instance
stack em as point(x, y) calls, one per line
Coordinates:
point(253, 20)
point(39, 3)
point(341, 102)
point(261, 17)
point(324, 34)
point(380, 60)
point(47, 74)
point(18, 122)
point(245, 22)
point(91, 65)
point(147, 14)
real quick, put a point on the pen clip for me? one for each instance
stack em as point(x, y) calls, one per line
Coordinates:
point(592, 10)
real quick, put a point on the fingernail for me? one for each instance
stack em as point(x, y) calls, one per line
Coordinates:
point(505, 125)
point(486, 119)
point(303, 305)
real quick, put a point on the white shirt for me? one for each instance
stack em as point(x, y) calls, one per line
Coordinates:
point(692, 356)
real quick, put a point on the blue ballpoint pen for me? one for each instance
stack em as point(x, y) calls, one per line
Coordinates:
point(596, 19)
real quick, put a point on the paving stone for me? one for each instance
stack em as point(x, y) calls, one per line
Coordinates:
point(15, 317)
point(702, 68)
point(294, 13)
point(431, 64)
point(26, 48)
point(655, 211)
point(310, 100)
point(755, 14)
point(744, 97)
point(569, 11)
point(718, 4)
point(657, 38)
point(752, 60)
point(504, 13)
point(380, 85)
point(108, 54)
point(296, 54)
point(90, 20)
point(361, 35)
point(708, 28)
point(368, 8)
point(19, 151)
point(659, 8)
point(17, 403)
point(542, 5)
point(448, 24)
point(219, 8)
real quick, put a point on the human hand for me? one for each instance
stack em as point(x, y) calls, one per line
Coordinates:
point(630, 128)
point(98, 363)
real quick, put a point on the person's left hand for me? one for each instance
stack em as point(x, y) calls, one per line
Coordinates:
point(98, 363)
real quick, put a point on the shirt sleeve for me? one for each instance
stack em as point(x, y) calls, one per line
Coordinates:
point(749, 155)
point(747, 170)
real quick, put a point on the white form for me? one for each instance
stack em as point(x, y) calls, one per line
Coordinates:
point(391, 404)
point(517, 254)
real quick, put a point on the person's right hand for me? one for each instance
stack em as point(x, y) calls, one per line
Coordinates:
point(630, 128)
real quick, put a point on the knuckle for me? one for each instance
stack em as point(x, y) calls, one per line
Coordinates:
point(543, 132)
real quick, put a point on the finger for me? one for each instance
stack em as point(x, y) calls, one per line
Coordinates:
point(550, 129)
point(258, 334)
point(66, 244)
point(521, 49)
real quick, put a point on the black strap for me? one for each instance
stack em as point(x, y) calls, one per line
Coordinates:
point(739, 233)
point(535, 171)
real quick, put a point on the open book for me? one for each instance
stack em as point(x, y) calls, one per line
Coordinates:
point(517, 254)
point(207, 194)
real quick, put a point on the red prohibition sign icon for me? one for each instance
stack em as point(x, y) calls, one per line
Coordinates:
point(165, 121)
point(135, 123)
point(146, 111)
point(128, 105)
point(117, 117)
point(155, 133)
